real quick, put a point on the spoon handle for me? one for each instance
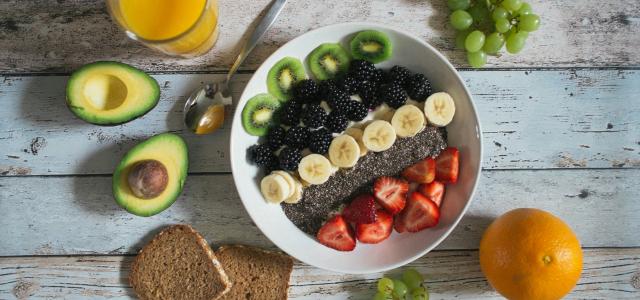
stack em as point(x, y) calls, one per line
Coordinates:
point(265, 23)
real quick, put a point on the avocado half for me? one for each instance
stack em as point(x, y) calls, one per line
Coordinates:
point(166, 148)
point(111, 93)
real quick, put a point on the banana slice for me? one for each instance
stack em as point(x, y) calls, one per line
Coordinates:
point(289, 179)
point(356, 134)
point(439, 109)
point(297, 194)
point(314, 169)
point(379, 136)
point(275, 188)
point(344, 151)
point(408, 121)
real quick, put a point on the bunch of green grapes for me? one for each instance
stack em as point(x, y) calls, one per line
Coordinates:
point(395, 289)
point(485, 26)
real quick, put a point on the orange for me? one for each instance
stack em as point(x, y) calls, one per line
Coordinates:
point(528, 253)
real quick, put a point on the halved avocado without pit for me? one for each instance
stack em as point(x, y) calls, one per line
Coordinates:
point(150, 177)
point(111, 93)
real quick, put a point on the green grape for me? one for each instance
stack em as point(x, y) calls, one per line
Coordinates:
point(381, 296)
point(493, 43)
point(420, 294)
point(511, 5)
point(499, 13)
point(515, 41)
point(460, 38)
point(529, 22)
point(412, 278)
point(399, 289)
point(385, 285)
point(458, 4)
point(479, 13)
point(525, 9)
point(474, 41)
point(477, 59)
point(460, 20)
point(502, 25)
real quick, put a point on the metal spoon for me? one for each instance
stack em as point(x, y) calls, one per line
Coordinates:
point(204, 109)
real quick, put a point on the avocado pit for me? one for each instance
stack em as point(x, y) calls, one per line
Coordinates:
point(148, 178)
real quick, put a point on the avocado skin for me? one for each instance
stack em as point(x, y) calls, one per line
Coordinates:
point(95, 119)
point(171, 150)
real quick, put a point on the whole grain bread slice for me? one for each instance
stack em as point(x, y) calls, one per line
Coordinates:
point(178, 264)
point(255, 273)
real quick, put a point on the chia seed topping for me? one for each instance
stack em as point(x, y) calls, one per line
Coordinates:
point(320, 201)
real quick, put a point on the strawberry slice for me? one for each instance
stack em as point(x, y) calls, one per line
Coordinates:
point(391, 193)
point(447, 165)
point(423, 171)
point(337, 234)
point(434, 191)
point(376, 232)
point(398, 224)
point(419, 214)
point(362, 210)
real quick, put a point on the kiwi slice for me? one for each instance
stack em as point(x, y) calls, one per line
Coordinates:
point(258, 114)
point(283, 76)
point(328, 61)
point(371, 45)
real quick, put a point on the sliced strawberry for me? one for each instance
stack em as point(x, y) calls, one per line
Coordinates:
point(419, 214)
point(434, 191)
point(447, 165)
point(391, 193)
point(398, 224)
point(376, 232)
point(362, 210)
point(423, 171)
point(337, 234)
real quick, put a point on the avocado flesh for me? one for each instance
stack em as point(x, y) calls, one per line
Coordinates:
point(170, 150)
point(111, 93)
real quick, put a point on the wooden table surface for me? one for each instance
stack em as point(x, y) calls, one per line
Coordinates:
point(561, 125)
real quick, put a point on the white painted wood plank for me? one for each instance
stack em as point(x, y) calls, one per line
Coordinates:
point(77, 215)
point(531, 119)
point(608, 274)
point(41, 36)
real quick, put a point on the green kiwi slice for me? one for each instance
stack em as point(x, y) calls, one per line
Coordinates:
point(258, 114)
point(328, 61)
point(283, 76)
point(371, 45)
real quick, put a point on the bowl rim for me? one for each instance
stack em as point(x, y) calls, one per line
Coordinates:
point(238, 112)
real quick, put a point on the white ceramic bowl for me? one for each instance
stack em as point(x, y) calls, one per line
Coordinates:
point(464, 132)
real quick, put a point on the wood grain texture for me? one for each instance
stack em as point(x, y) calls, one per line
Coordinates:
point(59, 36)
point(607, 274)
point(81, 217)
point(531, 119)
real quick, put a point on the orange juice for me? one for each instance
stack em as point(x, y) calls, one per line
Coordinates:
point(178, 27)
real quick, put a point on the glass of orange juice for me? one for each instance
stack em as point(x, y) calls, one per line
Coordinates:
point(186, 28)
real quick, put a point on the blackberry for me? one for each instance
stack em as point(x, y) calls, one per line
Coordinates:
point(372, 101)
point(349, 84)
point(314, 116)
point(362, 70)
point(418, 87)
point(261, 155)
point(275, 137)
point(320, 140)
point(399, 75)
point(379, 76)
point(356, 111)
point(336, 122)
point(290, 158)
point(307, 90)
point(338, 99)
point(290, 113)
point(393, 94)
point(327, 87)
point(367, 92)
point(297, 137)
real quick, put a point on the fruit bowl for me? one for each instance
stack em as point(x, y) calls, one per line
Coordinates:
point(464, 133)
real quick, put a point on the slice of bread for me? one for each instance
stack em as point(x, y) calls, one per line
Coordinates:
point(178, 264)
point(255, 273)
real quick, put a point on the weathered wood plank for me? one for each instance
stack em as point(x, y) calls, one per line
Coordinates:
point(77, 215)
point(46, 36)
point(531, 119)
point(608, 274)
